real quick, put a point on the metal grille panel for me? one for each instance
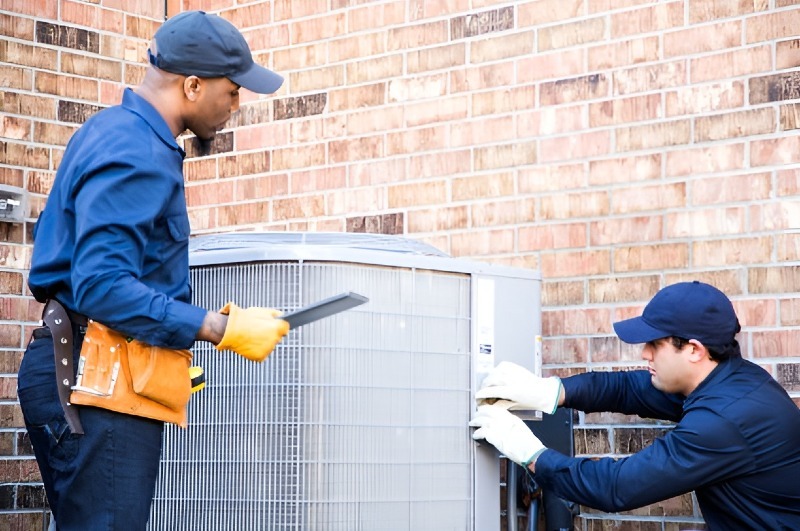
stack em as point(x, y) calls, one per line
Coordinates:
point(355, 422)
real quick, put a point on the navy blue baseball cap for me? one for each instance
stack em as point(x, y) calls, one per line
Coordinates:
point(689, 310)
point(196, 43)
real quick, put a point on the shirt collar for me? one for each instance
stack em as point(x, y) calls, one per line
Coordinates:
point(720, 372)
point(141, 107)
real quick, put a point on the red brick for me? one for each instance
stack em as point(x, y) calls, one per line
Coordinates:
point(575, 147)
point(16, 26)
point(648, 198)
point(572, 34)
point(651, 257)
point(772, 279)
point(790, 312)
point(504, 156)
point(417, 194)
point(513, 212)
point(731, 251)
point(559, 64)
point(503, 101)
point(756, 313)
point(570, 206)
point(771, 26)
point(563, 293)
point(775, 151)
point(573, 322)
point(535, 13)
point(787, 54)
point(775, 343)
point(482, 77)
point(552, 236)
point(731, 64)
point(297, 157)
point(701, 39)
point(366, 147)
point(416, 35)
point(737, 124)
point(504, 46)
point(730, 189)
point(441, 57)
point(625, 110)
point(484, 130)
point(327, 77)
point(439, 219)
point(650, 77)
point(575, 263)
point(788, 246)
point(482, 242)
point(375, 172)
point(550, 178)
point(625, 53)
point(705, 98)
point(777, 215)
point(550, 121)
point(443, 110)
point(482, 186)
point(376, 16)
point(660, 134)
point(709, 222)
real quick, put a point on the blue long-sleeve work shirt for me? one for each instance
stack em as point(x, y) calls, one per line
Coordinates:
point(736, 443)
point(112, 241)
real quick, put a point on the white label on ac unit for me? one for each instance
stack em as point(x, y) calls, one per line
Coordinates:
point(485, 325)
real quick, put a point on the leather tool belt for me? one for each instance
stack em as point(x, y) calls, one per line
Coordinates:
point(132, 377)
point(58, 320)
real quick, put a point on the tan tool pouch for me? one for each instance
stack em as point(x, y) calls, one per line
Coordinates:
point(132, 377)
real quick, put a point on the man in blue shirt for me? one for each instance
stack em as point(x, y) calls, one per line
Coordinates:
point(111, 246)
point(737, 438)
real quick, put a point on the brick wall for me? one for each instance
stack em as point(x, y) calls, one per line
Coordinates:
point(617, 146)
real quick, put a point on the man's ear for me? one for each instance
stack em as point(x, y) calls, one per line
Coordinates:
point(192, 86)
point(699, 351)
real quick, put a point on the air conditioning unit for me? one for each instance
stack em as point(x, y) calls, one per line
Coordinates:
point(357, 421)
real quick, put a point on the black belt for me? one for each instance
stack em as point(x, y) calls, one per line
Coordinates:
point(60, 320)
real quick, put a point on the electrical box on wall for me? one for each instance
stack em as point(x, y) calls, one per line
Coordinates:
point(13, 203)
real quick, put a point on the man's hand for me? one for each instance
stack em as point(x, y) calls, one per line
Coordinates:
point(252, 332)
point(509, 381)
point(507, 433)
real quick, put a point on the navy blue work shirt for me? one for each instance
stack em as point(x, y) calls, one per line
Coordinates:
point(736, 444)
point(112, 242)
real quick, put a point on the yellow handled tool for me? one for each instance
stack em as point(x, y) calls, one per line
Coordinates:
point(198, 377)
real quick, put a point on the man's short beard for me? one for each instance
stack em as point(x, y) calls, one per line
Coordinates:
point(204, 146)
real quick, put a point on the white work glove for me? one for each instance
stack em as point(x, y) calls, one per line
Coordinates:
point(507, 433)
point(509, 381)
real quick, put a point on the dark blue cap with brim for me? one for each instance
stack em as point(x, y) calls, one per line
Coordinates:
point(689, 310)
point(196, 43)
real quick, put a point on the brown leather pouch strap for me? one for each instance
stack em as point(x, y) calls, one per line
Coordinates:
point(57, 319)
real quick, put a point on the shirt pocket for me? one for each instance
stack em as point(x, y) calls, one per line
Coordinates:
point(179, 228)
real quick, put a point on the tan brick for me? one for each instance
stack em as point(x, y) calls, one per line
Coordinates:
point(626, 230)
point(212, 193)
point(625, 110)
point(438, 219)
point(356, 97)
point(46, 9)
point(575, 263)
point(376, 16)
point(788, 182)
point(314, 54)
point(307, 206)
point(263, 40)
point(417, 35)
point(481, 131)
point(789, 118)
point(789, 312)
point(703, 10)
point(772, 26)
point(17, 27)
point(499, 47)
point(319, 78)
point(627, 289)
point(482, 77)
point(731, 64)
point(788, 246)
point(774, 151)
point(759, 312)
point(777, 215)
point(355, 47)
point(563, 293)
point(504, 156)
point(438, 58)
point(775, 343)
point(503, 100)
point(625, 53)
point(417, 88)
point(601, 6)
point(572, 34)
point(494, 213)
point(482, 242)
point(16, 78)
point(705, 98)
point(574, 321)
point(701, 39)
point(367, 147)
point(26, 55)
point(11, 176)
point(573, 147)
point(349, 201)
point(369, 70)
point(24, 155)
point(375, 172)
point(244, 164)
point(417, 194)
point(625, 170)
point(787, 54)
point(551, 121)
point(243, 214)
point(730, 189)
point(482, 186)
point(372, 121)
point(774, 279)
point(558, 64)
point(86, 66)
point(571, 206)
point(570, 90)
point(648, 198)
point(731, 125)
point(655, 135)
point(92, 16)
point(29, 105)
point(442, 110)
point(297, 157)
point(416, 140)
point(112, 46)
point(650, 77)
point(728, 280)
point(705, 160)
point(651, 258)
point(550, 178)
point(731, 251)
point(67, 86)
point(535, 13)
point(15, 128)
point(317, 28)
point(552, 236)
point(50, 133)
point(318, 179)
point(703, 223)
point(143, 28)
point(660, 17)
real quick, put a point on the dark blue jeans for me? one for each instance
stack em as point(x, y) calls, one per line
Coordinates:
point(101, 480)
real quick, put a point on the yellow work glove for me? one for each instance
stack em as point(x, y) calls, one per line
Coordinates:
point(252, 332)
